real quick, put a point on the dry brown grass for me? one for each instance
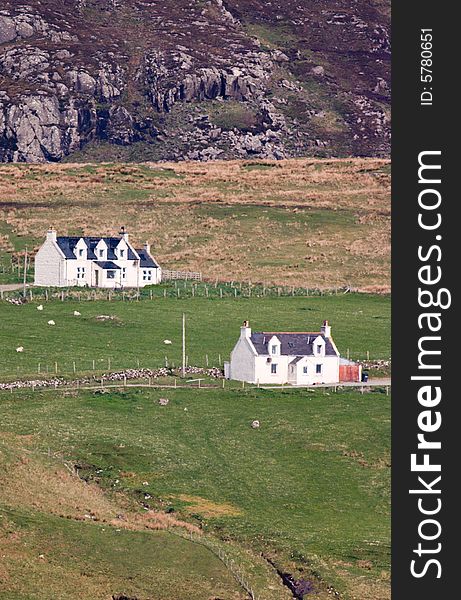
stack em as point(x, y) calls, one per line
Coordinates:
point(28, 480)
point(307, 222)
point(207, 508)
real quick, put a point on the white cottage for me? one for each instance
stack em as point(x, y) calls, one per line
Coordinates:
point(104, 262)
point(305, 358)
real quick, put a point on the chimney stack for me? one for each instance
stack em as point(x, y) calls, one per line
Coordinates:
point(51, 234)
point(326, 329)
point(245, 330)
point(123, 233)
point(147, 247)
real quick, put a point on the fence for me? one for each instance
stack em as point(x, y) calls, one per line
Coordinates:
point(187, 275)
point(237, 571)
point(176, 289)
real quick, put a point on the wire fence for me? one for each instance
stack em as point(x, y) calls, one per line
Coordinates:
point(237, 570)
point(174, 289)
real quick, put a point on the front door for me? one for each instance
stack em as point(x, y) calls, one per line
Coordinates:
point(96, 278)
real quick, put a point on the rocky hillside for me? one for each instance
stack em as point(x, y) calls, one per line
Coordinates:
point(193, 79)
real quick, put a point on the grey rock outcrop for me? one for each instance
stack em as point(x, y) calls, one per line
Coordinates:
point(192, 80)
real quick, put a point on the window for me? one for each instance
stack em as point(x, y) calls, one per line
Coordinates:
point(273, 368)
point(110, 274)
point(122, 253)
point(318, 368)
point(305, 370)
point(274, 349)
point(319, 348)
point(101, 253)
point(80, 252)
point(80, 272)
point(147, 275)
point(123, 273)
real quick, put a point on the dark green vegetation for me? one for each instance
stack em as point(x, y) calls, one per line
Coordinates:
point(307, 223)
point(135, 334)
point(309, 489)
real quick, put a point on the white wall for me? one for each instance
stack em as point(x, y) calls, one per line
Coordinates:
point(263, 369)
point(329, 374)
point(242, 362)
point(49, 265)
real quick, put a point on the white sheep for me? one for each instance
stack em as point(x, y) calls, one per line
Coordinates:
point(51, 322)
point(255, 424)
point(40, 307)
point(76, 313)
point(167, 342)
point(20, 349)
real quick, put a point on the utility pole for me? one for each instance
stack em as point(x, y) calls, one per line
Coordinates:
point(25, 274)
point(183, 344)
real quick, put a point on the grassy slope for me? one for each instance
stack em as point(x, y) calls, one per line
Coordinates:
point(310, 489)
point(359, 322)
point(316, 223)
point(49, 557)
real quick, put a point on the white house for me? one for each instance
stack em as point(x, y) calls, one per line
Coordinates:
point(298, 358)
point(104, 262)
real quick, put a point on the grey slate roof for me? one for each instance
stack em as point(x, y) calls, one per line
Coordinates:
point(291, 344)
point(107, 264)
point(68, 243)
point(146, 259)
point(296, 360)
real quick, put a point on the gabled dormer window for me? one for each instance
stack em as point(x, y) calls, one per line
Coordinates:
point(80, 253)
point(273, 345)
point(122, 252)
point(319, 348)
point(101, 253)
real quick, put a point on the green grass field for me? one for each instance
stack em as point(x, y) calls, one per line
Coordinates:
point(306, 494)
point(308, 491)
point(136, 334)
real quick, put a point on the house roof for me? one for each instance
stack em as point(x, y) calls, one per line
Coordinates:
point(106, 264)
point(296, 360)
point(292, 343)
point(68, 243)
point(146, 259)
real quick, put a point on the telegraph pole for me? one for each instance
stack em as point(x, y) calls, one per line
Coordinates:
point(25, 275)
point(183, 344)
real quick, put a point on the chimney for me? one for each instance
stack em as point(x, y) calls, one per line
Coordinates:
point(123, 233)
point(245, 330)
point(51, 234)
point(147, 247)
point(326, 329)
